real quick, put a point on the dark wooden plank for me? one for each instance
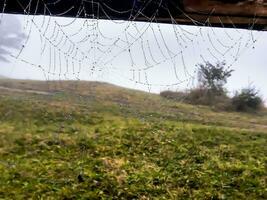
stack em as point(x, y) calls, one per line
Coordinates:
point(246, 8)
point(246, 14)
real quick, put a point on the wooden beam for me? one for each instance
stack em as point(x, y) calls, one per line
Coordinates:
point(247, 14)
point(238, 8)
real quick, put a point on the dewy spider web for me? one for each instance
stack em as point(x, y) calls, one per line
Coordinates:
point(138, 54)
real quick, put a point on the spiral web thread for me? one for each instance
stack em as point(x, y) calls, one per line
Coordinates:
point(143, 54)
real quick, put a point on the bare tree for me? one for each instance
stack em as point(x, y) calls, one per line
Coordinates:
point(11, 36)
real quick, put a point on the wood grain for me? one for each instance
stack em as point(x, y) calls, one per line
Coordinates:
point(228, 7)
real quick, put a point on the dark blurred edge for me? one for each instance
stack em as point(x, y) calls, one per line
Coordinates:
point(158, 11)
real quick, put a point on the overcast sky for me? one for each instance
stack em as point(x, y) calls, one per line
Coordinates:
point(137, 55)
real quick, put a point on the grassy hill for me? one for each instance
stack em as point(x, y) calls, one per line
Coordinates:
point(91, 140)
point(3, 77)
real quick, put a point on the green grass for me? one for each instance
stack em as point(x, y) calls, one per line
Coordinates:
point(98, 141)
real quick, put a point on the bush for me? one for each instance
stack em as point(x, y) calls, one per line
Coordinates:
point(177, 96)
point(247, 100)
point(200, 96)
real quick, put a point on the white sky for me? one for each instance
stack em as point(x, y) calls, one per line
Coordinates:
point(169, 53)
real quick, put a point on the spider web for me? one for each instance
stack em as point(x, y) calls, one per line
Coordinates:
point(139, 54)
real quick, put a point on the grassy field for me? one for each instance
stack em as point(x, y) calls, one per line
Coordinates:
point(89, 140)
